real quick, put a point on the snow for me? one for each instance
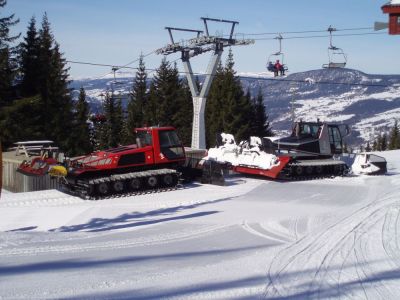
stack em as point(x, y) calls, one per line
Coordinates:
point(253, 238)
point(244, 154)
point(371, 127)
point(3, 191)
point(256, 75)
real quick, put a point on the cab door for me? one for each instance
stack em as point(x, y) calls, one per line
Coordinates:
point(335, 139)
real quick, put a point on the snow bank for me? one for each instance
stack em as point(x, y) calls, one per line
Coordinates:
point(244, 154)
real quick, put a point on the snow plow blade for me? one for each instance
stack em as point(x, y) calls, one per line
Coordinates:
point(271, 173)
point(369, 164)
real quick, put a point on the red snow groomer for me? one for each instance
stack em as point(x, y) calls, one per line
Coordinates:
point(307, 153)
point(151, 163)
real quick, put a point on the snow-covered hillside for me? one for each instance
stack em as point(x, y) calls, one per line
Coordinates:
point(330, 238)
point(369, 103)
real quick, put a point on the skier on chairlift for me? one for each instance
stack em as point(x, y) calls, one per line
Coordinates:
point(279, 69)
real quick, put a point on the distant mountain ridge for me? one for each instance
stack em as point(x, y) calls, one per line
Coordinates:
point(368, 103)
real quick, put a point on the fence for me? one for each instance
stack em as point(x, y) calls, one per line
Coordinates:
point(17, 182)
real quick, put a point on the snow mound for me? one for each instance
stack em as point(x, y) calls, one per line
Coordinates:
point(247, 153)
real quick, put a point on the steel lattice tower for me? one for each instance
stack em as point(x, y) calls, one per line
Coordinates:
point(201, 44)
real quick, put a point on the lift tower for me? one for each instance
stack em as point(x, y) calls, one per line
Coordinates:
point(202, 43)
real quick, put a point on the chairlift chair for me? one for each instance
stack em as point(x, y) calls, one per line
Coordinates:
point(337, 58)
point(115, 81)
point(279, 55)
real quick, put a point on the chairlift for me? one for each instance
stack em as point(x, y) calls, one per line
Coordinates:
point(337, 58)
point(278, 56)
point(114, 70)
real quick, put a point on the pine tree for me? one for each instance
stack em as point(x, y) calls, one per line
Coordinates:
point(374, 145)
point(164, 94)
point(169, 102)
point(394, 137)
point(151, 110)
point(137, 101)
point(29, 61)
point(100, 140)
point(160, 93)
point(119, 121)
point(183, 116)
point(261, 125)
point(167, 84)
point(111, 135)
point(81, 130)
point(6, 78)
point(60, 102)
point(56, 117)
point(214, 111)
point(237, 119)
point(383, 142)
point(7, 58)
point(379, 142)
point(45, 56)
point(15, 126)
point(368, 147)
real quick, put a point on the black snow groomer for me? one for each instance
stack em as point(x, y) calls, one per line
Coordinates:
point(309, 151)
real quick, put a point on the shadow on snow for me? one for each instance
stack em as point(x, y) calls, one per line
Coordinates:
point(135, 219)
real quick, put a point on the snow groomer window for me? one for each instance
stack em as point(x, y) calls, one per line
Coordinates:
point(170, 144)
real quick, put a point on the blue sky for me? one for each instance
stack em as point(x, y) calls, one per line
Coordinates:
point(117, 31)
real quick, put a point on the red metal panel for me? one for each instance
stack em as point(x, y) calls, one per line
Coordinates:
point(158, 156)
point(272, 173)
point(394, 17)
point(149, 156)
point(391, 9)
point(394, 25)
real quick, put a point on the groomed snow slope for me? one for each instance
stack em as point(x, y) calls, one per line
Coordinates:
point(332, 238)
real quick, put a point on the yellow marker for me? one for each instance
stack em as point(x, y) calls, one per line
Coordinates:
point(58, 171)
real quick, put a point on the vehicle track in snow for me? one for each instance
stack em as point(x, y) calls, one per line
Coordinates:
point(335, 259)
point(44, 198)
point(73, 247)
point(390, 239)
point(267, 231)
point(288, 232)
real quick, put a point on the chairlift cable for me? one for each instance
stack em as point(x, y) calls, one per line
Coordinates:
point(321, 36)
point(256, 78)
point(305, 31)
